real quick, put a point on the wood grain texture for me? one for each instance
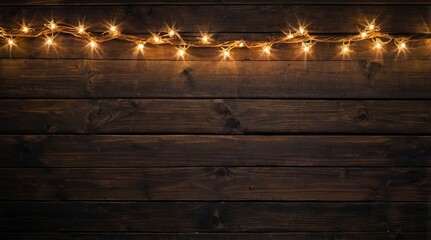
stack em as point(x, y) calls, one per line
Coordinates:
point(218, 151)
point(68, 47)
point(216, 183)
point(216, 236)
point(228, 18)
point(230, 116)
point(156, 217)
point(192, 2)
point(207, 79)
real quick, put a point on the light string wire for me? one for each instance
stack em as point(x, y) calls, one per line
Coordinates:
point(173, 37)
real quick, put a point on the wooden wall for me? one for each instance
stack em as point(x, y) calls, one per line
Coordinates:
point(115, 146)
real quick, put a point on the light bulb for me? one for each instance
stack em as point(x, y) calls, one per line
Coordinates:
point(181, 52)
point(81, 29)
point(346, 49)
point(305, 48)
point(49, 41)
point(378, 45)
point(156, 39)
point(226, 53)
point(205, 39)
point(171, 33)
point(301, 30)
point(289, 36)
point(140, 46)
point(402, 46)
point(11, 42)
point(93, 44)
point(25, 29)
point(267, 50)
point(52, 25)
point(241, 44)
point(113, 28)
point(371, 27)
point(363, 34)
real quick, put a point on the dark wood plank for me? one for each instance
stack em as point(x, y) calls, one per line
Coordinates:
point(171, 79)
point(215, 217)
point(67, 47)
point(200, 150)
point(146, 2)
point(214, 116)
point(216, 183)
point(215, 236)
point(228, 18)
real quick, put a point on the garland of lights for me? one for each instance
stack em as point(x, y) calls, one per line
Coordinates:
point(172, 37)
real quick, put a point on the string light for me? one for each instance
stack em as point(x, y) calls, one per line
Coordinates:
point(306, 47)
point(301, 30)
point(378, 45)
point(157, 39)
point(25, 29)
point(266, 49)
point(205, 39)
point(49, 41)
point(370, 31)
point(81, 29)
point(11, 42)
point(290, 36)
point(52, 25)
point(181, 52)
point(114, 30)
point(171, 33)
point(140, 46)
point(93, 44)
point(225, 53)
point(345, 49)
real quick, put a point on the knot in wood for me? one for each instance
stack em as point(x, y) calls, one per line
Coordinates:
point(232, 123)
point(361, 114)
point(413, 176)
point(215, 221)
point(27, 148)
point(371, 68)
point(221, 109)
point(221, 172)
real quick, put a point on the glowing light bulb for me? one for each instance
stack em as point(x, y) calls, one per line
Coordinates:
point(378, 45)
point(289, 36)
point(306, 47)
point(241, 44)
point(81, 29)
point(11, 42)
point(49, 41)
point(25, 29)
point(363, 35)
point(226, 53)
point(205, 39)
point(266, 50)
point(52, 25)
point(371, 27)
point(301, 30)
point(113, 28)
point(140, 46)
point(171, 33)
point(93, 44)
point(402, 46)
point(181, 52)
point(156, 39)
point(345, 49)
